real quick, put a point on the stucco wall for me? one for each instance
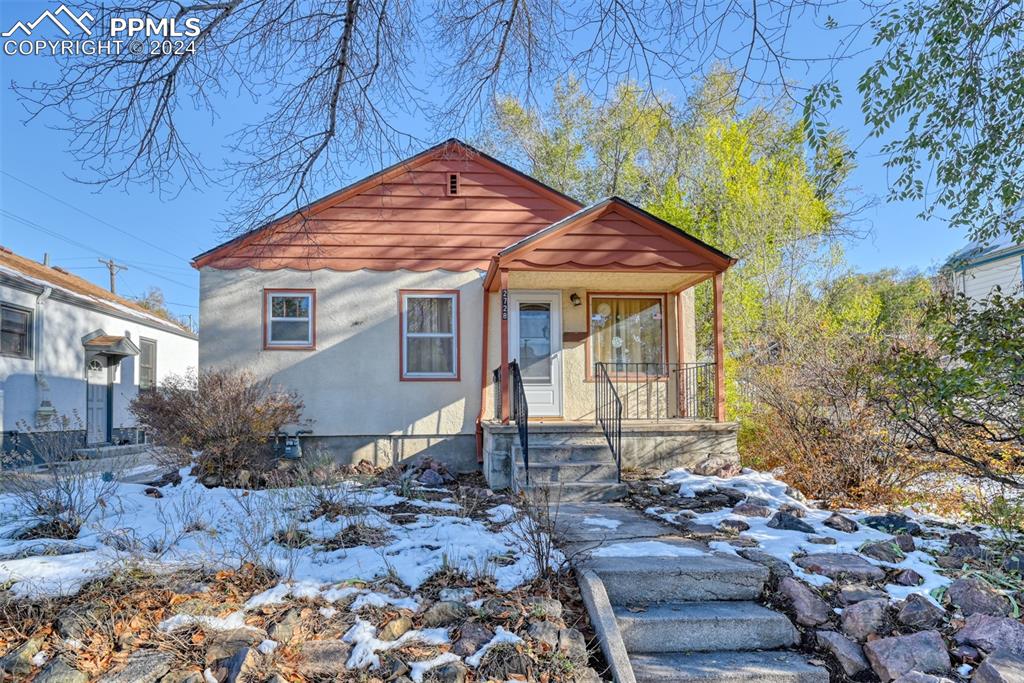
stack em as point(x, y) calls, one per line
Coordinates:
point(62, 361)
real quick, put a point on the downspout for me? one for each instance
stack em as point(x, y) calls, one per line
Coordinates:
point(483, 380)
point(45, 412)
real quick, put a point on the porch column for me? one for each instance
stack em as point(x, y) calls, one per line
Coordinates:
point(506, 380)
point(719, 349)
point(681, 355)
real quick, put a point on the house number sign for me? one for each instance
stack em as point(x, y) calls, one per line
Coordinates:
point(504, 304)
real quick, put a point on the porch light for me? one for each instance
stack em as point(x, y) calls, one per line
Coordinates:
point(575, 299)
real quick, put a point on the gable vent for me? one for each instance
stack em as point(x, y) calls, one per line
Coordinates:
point(452, 189)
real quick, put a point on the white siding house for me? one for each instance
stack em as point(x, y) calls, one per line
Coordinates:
point(977, 269)
point(69, 348)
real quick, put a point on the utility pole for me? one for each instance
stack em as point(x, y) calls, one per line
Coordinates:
point(114, 269)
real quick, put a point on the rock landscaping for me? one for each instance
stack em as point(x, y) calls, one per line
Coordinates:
point(899, 596)
point(407, 575)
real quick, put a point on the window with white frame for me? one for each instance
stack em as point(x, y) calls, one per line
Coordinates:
point(147, 363)
point(290, 318)
point(430, 335)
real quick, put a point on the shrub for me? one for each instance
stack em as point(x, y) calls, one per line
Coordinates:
point(225, 417)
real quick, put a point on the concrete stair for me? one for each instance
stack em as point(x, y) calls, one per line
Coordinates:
point(727, 667)
point(567, 467)
point(704, 627)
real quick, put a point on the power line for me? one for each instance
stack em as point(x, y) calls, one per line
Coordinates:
point(35, 226)
point(95, 218)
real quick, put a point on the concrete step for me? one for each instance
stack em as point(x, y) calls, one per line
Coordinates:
point(577, 491)
point(704, 627)
point(559, 453)
point(598, 471)
point(727, 667)
point(649, 580)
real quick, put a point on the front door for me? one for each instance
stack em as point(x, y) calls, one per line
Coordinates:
point(535, 337)
point(96, 403)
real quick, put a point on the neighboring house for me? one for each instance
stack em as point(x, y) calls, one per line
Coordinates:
point(979, 268)
point(72, 349)
point(396, 306)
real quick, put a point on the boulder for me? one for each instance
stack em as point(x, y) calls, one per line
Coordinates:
point(445, 613)
point(324, 658)
point(964, 538)
point(858, 592)
point(734, 526)
point(841, 523)
point(999, 667)
point(506, 662)
point(456, 594)
point(919, 612)
point(452, 672)
point(143, 666)
point(472, 636)
point(543, 632)
point(847, 653)
point(908, 577)
point(810, 610)
point(841, 565)
point(75, 620)
point(698, 530)
point(795, 510)
point(225, 644)
point(284, 630)
point(866, 618)
point(893, 524)
point(974, 596)
point(240, 666)
point(18, 661)
point(546, 608)
point(906, 543)
point(787, 521)
point(716, 466)
point(752, 510)
point(59, 671)
point(883, 551)
point(395, 629)
point(778, 569)
point(990, 634)
point(892, 657)
point(429, 477)
point(821, 540)
point(918, 677)
point(573, 646)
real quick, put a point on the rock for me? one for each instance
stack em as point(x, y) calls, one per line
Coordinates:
point(841, 523)
point(473, 635)
point(191, 677)
point(505, 662)
point(919, 612)
point(906, 543)
point(749, 509)
point(734, 495)
point(713, 466)
point(431, 478)
point(153, 492)
point(59, 671)
point(918, 677)
point(998, 667)
point(809, 608)
point(587, 675)
point(821, 540)
point(866, 618)
point(923, 651)
point(992, 633)
point(394, 629)
point(908, 577)
point(883, 551)
point(323, 657)
point(848, 653)
point(697, 530)
point(966, 653)
point(286, 629)
point(778, 569)
point(858, 592)
point(964, 538)
point(548, 608)
point(444, 613)
point(240, 666)
point(225, 644)
point(787, 521)
point(1014, 563)
point(893, 524)
point(75, 620)
point(452, 672)
point(544, 632)
point(143, 666)
point(573, 646)
point(840, 565)
point(795, 510)
point(733, 525)
point(19, 660)
point(949, 561)
point(456, 594)
point(974, 596)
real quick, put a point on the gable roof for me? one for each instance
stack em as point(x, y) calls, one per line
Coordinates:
point(351, 228)
point(978, 252)
point(80, 291)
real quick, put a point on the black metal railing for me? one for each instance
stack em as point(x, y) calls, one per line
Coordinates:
point(662, 391)
point(608, 413)
point(520, 413)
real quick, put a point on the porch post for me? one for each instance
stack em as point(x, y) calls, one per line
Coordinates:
point(681, 355)
point(719, 349)
point(505, 377)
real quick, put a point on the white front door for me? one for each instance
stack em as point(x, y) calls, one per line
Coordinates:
point(97, 378)
point(535, 338)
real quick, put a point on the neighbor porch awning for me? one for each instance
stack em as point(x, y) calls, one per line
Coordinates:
point(112, 346)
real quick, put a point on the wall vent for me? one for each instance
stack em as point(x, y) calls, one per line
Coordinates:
point(452, 187)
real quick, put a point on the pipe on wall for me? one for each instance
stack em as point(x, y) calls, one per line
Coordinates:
point(45, 412)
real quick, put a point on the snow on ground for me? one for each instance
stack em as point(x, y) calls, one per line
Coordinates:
point(191, 525)
point(763, 488)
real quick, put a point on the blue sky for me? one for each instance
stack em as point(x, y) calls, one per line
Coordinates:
point(45, 211)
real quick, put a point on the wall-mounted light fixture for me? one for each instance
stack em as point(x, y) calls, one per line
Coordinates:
point(575, 299)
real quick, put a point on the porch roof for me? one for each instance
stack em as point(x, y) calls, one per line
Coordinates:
point(611, 235)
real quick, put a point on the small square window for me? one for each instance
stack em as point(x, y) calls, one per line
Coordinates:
point(15, 331)
point(290, 319)
point(430, 335)
point(452, 186)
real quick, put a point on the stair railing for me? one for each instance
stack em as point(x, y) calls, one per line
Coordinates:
point(520, 414)
point(608, 413)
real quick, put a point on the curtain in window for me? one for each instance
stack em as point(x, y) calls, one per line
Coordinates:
point(430, 335)
point(625, 330)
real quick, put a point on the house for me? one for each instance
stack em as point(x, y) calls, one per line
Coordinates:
point(979, 268)
point(452, 306)
point(72, 349)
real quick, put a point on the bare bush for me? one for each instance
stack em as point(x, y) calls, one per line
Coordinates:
point(227, 417)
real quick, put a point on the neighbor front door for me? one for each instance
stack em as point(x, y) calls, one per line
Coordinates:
point(96, 401)
point(535, 340)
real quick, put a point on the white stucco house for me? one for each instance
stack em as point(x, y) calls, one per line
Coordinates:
point(452, 306)
point(70, 348)
point(978, 268)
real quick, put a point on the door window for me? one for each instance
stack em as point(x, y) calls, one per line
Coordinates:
point(535, 343)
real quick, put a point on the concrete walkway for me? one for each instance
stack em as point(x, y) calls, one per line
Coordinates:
point(667, 608)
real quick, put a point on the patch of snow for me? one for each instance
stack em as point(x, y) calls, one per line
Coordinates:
point(373, 599)
point(365, 644)
point(231, 622)
point(604, 522)
point(266, 647)
point(500, 636)
point(418, 669)
point(646, 549)
point(501, 513)
point(40, 658)
point(328, 612)
point(208, 676)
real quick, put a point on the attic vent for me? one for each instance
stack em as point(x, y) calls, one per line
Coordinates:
point(452, 188)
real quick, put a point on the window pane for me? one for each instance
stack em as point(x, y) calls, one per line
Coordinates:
point(429, 314)
point(147, 359)
point(627, 330)
point(289, 331)
point(535, 343)
point(430, 355)
point(14, 326)
point(289, 306)
point(13, 343)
